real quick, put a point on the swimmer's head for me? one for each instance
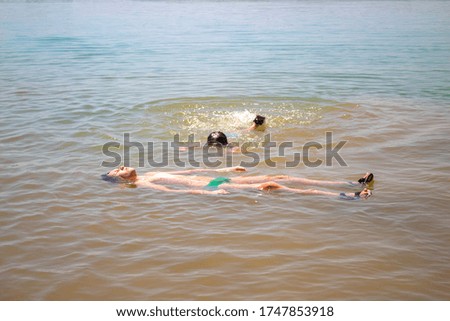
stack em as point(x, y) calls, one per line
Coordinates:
point(260, 123)
point(120, 175)
point(259, 120)
point(217, 139)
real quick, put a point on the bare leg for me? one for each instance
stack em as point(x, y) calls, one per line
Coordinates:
point(298, 180)
point(249, 180)
point(313, 182)
point(275, 186)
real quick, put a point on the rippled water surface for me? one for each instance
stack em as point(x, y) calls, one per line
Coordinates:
point(75, 76)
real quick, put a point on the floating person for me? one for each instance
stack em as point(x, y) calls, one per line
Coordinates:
point(210, 185)
point(259, 124)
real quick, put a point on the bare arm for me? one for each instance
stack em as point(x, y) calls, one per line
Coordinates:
point(252, 127)
point(208, 170)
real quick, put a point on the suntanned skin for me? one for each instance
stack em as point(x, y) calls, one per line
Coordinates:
point(257, 125)
point(196, 183)
point(260, 128)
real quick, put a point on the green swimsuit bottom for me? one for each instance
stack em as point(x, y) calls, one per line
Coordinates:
point(216, 182)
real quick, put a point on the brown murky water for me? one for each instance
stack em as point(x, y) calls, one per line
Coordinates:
point(68, 235)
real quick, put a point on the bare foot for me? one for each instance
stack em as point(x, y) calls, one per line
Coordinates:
point(366, 179)
point(365, 193)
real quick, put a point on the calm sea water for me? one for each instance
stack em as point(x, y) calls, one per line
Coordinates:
point(77, 75)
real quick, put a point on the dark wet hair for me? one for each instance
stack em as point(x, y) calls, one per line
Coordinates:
point(259, 120)
point(117, 180)
point(111, 179)
point(217, 139)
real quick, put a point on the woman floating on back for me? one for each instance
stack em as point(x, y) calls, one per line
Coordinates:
point(222, 185)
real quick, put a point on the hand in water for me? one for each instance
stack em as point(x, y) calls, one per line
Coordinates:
point(232, 169)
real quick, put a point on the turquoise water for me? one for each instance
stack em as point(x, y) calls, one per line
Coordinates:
point(153, 50)
point(77, 75)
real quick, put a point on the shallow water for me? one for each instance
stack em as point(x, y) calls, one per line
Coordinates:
point(75, 76)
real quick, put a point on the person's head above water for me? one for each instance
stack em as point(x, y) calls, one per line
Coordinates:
point(259, 120)
point(121, 174)
point(217, 139)
point(259, 123)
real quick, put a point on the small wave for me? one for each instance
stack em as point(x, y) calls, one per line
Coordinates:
point(202, 115)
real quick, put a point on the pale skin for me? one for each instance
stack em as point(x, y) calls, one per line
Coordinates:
point(197, 183)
